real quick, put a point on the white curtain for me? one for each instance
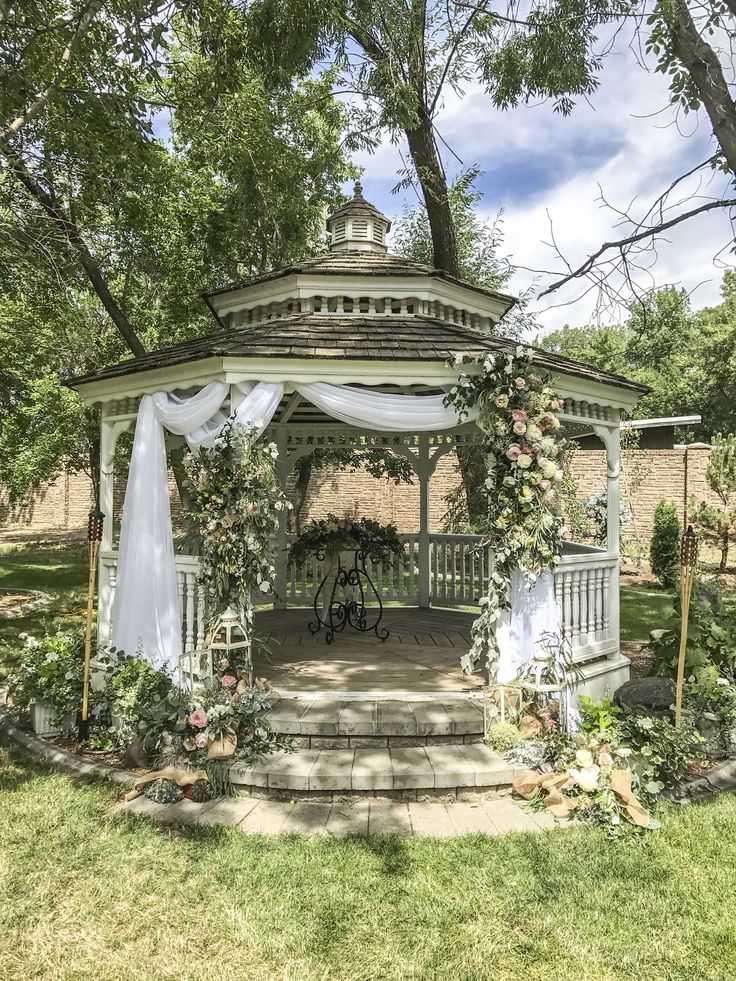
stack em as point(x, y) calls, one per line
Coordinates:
point(146, 613)
point(533, 614)
point(382, 410)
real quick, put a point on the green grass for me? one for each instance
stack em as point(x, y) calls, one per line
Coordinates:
point(59, 571)
point(643, 609)
point(91, 895)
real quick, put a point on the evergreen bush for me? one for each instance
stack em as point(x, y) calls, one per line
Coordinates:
point(664, 551)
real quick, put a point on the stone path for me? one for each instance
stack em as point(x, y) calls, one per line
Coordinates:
point(366, 817)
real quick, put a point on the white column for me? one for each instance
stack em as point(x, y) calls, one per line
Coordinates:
point(612, 442)
point(282, 558)
point(109, 432)
point(423, 472)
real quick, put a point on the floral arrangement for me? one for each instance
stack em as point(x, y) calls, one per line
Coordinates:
point(238, 500)
point(332, 535)
point(611, 772)
point(517, 413)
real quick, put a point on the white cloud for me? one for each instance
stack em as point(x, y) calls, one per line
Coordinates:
point(627, 140)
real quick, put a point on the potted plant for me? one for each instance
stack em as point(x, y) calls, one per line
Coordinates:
point(47, 687)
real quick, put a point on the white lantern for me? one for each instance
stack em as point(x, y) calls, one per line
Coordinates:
point(544, 677)
point(231, 644)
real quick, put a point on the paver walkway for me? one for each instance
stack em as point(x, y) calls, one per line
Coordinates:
point(366, 817)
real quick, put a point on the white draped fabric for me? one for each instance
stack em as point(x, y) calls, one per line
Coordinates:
point(147, 614)
point(534, 613)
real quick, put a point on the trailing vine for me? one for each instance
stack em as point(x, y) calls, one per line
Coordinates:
point(517, 414)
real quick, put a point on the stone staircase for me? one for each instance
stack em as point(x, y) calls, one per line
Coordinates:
point(413, 748)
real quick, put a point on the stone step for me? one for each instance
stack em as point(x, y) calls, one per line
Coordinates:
point(454, 768)
point(321, 717)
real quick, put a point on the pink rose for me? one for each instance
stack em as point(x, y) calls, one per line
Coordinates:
point(513, 452)
point(198, 719)
point(518, 415)
point(200, 740)
point(545, 484)
point(519, 383)
point(605, 759)
point(229, 681)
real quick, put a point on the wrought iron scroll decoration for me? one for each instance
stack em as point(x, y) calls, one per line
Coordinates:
point(359, 603)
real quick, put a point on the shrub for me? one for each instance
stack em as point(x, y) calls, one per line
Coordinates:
point(144, 698)
point(664, 551)
point(502, 736)
point(661, 754)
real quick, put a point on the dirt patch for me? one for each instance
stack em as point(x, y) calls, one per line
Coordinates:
point(10, 600)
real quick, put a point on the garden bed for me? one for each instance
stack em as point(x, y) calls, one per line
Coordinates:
point(20, 602)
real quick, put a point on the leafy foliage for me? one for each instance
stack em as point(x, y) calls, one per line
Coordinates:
point(711, 635)
point(664, 550)
point(332, 534)
point(50, 672)
point(718, 524)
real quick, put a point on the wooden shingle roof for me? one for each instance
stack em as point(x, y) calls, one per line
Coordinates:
point(351, 337)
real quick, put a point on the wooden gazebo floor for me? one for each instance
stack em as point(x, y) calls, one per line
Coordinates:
point(422, 653)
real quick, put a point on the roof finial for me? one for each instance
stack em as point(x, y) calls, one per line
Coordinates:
point(358, 190)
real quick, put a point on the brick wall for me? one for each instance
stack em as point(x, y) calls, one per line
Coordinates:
point(65, 503)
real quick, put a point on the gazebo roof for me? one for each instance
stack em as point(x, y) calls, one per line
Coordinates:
point(330, 337)
point(368, 264)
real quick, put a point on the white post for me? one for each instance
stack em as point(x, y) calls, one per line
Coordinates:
point(612, 442)
point(423, 472)
point(281, 558)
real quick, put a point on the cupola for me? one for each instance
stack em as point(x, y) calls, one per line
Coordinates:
point(358, 226)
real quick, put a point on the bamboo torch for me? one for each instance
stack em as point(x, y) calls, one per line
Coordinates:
point(94, 538)
point(688, 560)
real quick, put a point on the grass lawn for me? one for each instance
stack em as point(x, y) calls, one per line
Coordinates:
point(643, 608)
point(60, 571)
point(90, 895)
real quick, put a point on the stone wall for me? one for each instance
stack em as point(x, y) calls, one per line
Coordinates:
point(674, 473)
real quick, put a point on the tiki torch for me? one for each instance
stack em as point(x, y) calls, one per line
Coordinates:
point(688, 559)
point(94, 538)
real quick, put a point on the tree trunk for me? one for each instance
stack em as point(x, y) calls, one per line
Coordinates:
point(301, 486)
point(702, 63)
point(431, 174)
point(724, 551)
point(474, 470)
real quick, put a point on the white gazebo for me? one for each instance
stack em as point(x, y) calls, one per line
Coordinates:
point(339, 327)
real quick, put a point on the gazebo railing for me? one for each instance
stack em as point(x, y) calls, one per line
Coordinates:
point(585, 584)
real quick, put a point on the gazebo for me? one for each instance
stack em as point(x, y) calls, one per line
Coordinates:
point(321, 337)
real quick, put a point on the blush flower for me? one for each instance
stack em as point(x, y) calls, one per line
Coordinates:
point(545, 484)
point(502, 401)
point(519, 383)
point(229, 681)
point(518, 415)
point(513, 452)
point(200, 740)
point(519, 428)
point(198, 719)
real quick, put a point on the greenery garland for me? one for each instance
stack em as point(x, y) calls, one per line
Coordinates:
point(332, 534)
point(238, 500)
point(525, 447)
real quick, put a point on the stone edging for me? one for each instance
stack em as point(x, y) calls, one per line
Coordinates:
point(719, 780)
point(36, 748)
point(36, 600)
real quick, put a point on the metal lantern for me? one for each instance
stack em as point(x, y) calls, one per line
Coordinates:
point(544, 679)
point(231, 642)
point(95, 524)
point(688, 562)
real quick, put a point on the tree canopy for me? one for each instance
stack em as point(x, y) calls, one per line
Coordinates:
point(687, 357)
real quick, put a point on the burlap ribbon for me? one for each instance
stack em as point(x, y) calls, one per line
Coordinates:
point(181, 776)
point(528, 782)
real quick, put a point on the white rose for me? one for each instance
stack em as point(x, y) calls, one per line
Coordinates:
point(586, 778)
point(583, 757)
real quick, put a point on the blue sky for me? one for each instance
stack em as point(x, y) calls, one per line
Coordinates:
point(625, 141)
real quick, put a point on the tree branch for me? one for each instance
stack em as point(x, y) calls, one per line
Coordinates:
point(74, 237)
point(41, 101)
point(621, 244)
